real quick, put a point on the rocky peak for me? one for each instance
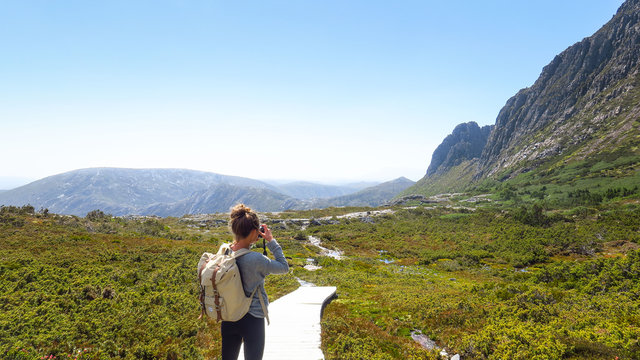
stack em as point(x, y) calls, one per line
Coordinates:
point(558, 109)
point(465, 143)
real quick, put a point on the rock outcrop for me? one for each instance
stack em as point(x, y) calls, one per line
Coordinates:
point(466, 142)
point(567, 105)
point(584, 105)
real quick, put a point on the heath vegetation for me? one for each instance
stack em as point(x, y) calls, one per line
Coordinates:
point(521, 275)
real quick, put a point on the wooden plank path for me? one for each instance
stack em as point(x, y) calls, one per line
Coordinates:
point(294, 332)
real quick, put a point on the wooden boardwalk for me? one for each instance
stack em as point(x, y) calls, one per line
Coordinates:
point(294, 332)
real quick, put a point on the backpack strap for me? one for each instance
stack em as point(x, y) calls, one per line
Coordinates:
point(203, 310)
point(240, 252)
point(264, 307)
point(216, 294)
point(224, 248)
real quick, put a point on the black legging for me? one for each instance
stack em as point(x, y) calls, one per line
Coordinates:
point(251, 330)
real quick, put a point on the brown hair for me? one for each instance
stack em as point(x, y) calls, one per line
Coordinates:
point(243, 220)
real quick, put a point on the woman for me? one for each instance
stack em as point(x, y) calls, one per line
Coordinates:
point(254, 267)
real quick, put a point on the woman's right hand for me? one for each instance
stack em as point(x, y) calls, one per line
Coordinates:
point(267, 233)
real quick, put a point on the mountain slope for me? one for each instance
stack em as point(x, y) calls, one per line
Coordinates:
point(117, 191)
point(372, 196)
point(584, 108)
point(307, 190)
point(449, 180)
point(584, 102)
point(465, 143)
point(175, 192)
point(221, 197)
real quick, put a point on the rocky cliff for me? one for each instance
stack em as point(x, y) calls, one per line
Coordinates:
point(587, 92)
point(466, 142)
point(584, 106)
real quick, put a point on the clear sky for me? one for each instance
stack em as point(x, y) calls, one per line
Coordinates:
point(310, 90)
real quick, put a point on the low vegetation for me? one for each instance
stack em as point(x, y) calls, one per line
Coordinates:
point(524, 283)
point(101, 287)
point(519, 275)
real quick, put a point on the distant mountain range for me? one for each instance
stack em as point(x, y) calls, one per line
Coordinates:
point(371, 196)
point(176, 192)
point(582, 113)
point(307, 190)
point(578, 122)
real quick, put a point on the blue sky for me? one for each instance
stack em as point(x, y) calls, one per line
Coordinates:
point(324, 91)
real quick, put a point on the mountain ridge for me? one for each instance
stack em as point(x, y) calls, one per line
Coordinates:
point(584, 107)
point(306, 190)
point(372, 196)
point(169, 192)
point(466, 142)
point(575, 82)
point(116, 190)
point(220, 198)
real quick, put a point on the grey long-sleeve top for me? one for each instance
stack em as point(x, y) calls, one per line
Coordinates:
point(254, 267)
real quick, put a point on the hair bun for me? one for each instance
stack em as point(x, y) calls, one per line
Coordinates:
point(239, 211)
point(242, 221)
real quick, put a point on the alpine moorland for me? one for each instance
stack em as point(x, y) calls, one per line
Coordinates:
point(486, 277)
point(522, 241)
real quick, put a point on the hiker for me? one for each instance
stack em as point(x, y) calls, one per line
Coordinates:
point(254, 267)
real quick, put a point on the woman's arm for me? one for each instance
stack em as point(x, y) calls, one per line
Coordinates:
point(279, 265)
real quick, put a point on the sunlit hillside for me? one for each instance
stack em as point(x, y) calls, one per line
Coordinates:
point(488, 278)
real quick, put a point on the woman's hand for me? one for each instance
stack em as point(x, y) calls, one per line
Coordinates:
point(267, 233)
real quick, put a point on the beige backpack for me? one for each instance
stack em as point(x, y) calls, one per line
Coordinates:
point(221, 293)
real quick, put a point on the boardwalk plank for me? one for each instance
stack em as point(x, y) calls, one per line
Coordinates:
point(294, 332)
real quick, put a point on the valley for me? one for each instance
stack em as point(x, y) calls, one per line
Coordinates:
point(481, 279)
point(522, 240)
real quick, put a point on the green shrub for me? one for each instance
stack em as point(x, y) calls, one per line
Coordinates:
point(584, 197)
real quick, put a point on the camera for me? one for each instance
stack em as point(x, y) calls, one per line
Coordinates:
point(261, 230)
